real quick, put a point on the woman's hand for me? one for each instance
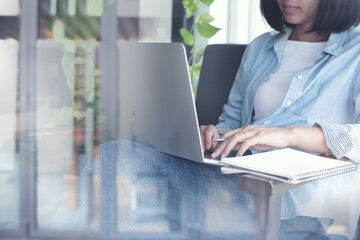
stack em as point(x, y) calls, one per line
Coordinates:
point(254, 138)
point(208, 134)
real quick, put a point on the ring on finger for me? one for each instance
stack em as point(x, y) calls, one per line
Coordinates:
point(245, 135)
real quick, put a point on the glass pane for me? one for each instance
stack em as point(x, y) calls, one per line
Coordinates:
point(66, 112)
point(70, 114)
point(59, 149)
point(9, 166)
point(9, 159)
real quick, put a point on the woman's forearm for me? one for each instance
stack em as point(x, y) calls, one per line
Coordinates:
point(258, 138)
point(308, 138)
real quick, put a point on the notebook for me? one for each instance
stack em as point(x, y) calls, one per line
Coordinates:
point(288, 165)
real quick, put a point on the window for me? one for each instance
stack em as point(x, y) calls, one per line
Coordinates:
point(52, 116)
point(240, 20)
point(10, 165)
point(55, 54)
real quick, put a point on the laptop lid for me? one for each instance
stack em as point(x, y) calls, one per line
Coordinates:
point(155, 102)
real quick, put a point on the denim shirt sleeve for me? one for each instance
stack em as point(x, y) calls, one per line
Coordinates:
point(343, 140)
point(237, 111)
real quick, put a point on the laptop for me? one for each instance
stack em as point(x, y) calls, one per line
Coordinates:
point(154, 101)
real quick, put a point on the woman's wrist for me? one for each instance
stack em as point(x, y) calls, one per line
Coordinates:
point(307, 138)
point(291, 134)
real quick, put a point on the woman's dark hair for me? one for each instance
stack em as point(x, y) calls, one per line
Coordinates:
point(333, 16)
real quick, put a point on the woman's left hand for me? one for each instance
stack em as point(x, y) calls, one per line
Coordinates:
point(254, 138)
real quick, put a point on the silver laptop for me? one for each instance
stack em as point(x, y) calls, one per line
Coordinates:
point(155, 101)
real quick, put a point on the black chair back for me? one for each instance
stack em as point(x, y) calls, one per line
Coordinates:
point(220, 64)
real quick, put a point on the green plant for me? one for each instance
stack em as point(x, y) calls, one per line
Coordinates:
point(201, 27)
point(79, 35)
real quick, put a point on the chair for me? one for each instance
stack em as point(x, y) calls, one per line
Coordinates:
point(220, 64)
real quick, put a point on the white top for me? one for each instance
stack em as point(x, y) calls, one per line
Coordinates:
point(297, 56)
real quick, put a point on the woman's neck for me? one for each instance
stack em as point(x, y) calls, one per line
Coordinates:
point(301, 34)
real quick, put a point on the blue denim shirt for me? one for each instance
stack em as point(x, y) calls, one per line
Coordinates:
point(325, 95)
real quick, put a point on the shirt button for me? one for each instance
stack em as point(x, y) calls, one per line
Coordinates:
point(288, 103)
point(266, 122)
point(300, 77)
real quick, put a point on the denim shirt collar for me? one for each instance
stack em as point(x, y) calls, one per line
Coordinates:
point(279, 41)
point(333, 45)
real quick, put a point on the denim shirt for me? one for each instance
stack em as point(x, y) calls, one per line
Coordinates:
point(325, 95)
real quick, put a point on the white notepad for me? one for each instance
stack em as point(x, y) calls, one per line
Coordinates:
point(288, 165)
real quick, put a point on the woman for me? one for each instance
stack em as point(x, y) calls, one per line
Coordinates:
point(307, 75)
point(299, 87)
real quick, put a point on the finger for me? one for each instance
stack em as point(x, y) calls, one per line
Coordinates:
point(202, 137)
point(233, 143)
point(247, 144)
point(214, 144)
point(210, 133)
point(218, 150)
point(225, 148)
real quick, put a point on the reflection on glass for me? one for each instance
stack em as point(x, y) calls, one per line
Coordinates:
point(69, 118)
point(9, 7)
point(152, 18)
point(9, 166)
point(75, 192)
point(145, 208)
point(94, 8)
point(65, 98)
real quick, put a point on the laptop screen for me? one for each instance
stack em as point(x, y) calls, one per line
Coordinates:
point(154, 99)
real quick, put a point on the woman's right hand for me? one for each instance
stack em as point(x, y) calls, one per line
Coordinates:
point(208, 134)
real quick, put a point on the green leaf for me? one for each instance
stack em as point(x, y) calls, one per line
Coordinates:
point(195, 72)
point(206, 18)
point(206, 30)
point(187, 36)
point(191, 72)
point(199, 55)
point(197, 68)
point(207, 2)
point(68, 66)
point(190, 6)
